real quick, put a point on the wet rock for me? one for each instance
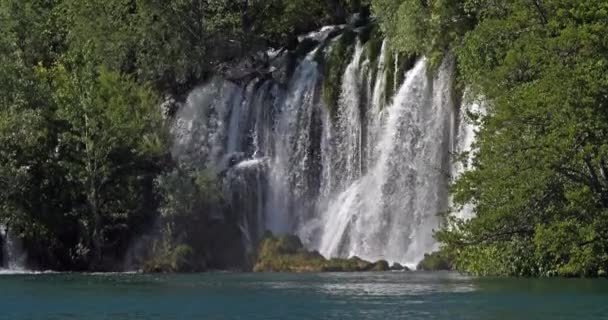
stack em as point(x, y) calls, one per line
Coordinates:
point(178, 259)
point(245, 69)
point(287, 254)
point(398, 267)
point(169, 107)
point(381, 265)
point(436, 261)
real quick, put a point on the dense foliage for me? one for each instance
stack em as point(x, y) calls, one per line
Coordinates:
point(539, 180)
point(85, 172)
point(86, 178)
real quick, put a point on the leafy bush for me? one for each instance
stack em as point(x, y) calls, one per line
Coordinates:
point(435, 261)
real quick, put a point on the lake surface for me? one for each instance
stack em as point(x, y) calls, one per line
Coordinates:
point(218, 296)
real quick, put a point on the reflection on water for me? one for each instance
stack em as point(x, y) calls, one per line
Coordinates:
point(225, 296)
point(381, 284)
point(390, 289)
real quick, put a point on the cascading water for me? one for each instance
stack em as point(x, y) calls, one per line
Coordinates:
point(366, 179)
point(3, 246)
point(389, 212)
point(468, 125)
point(12, 256)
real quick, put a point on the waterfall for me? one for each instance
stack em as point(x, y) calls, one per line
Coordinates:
point(389, 213)
point(293, 156)
point(11, 254)
point(467, 129)
point(3, 247)
point(368, 179)
point(244, 187)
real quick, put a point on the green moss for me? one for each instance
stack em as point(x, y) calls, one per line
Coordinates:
point(389, 62)
point(458, 89)
point(287, 254)
point(337, 57)
point(381, 265)
point(372, 48)
point(179, 259)
point(397, 64)
point(435, 60)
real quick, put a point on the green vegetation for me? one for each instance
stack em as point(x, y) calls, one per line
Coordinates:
point(435, 261)
point(433, 27)
point(189, 198)
point(336, 59)
point(372, 48)
point(397, 63)
point(85, 170)
point(287, 254)
point(539, 180)
point(178, 259)
point(80, 145)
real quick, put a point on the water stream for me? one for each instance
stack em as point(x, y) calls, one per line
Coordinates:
point(12, 256)
point(367, 179)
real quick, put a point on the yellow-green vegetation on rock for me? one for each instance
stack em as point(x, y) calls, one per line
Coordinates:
point(287, 254)
point(372, 38)
point(337, 57)
point(179, 259)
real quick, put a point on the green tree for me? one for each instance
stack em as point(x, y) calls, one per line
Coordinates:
point(539, 182)
point(111, 148)
point(107, 27)
point(26, 131)
point(179, 41)
point(424, 27)
point(190, 199)
point(34, 28)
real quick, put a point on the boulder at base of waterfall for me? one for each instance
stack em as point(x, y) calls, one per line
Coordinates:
point(381, 265)
point(178, 259)
point(287, 254)
point(398, 267)
point(436, 261)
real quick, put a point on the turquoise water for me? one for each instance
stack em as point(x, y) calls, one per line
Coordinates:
point(221, 296)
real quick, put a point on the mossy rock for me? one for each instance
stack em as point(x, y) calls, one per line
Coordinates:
point(398, 267)
point(397, 65)
point(372, 38)
point(338, 56)
point(354, 264)
point(287, 254)
point(381, 265)
point(436, 261)
point(179, 259)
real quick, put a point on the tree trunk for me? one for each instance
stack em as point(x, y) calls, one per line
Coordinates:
point(96, 238)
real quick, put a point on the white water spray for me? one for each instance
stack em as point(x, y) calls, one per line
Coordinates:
point(367, 180)
point(13, 257)
point(389, 213)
